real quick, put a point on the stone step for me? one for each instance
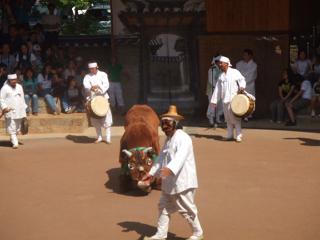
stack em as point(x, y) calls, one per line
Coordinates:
point(48, 123)
point(43, 106)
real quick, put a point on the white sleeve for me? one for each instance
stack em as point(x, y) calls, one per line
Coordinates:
point(216, 93)
point(156, 166)
point(40, 78)
point(86, 83)
point(241, 80)
point(3, 105)
point(180, 156)
point(32, 57)
point(105, 82)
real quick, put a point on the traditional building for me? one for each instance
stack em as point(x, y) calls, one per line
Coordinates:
point(177, 39)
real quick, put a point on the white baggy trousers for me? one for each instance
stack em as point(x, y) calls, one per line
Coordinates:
point(184, 204)
point(13, 128)
point(232, 121)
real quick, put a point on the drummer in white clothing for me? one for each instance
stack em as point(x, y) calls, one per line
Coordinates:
point(96, 83)
point(13, 106)
point(230, 83)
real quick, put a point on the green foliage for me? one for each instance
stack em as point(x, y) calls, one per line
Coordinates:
point(80, 4)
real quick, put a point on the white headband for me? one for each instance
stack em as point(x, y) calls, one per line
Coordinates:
point(225, 60)
point(12, 76)
point(93, 65)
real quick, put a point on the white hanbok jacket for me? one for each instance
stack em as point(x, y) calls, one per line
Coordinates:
point(100, 79)
point(177, 155)
point(227, 86)
point(13, 98)
point(249, 71)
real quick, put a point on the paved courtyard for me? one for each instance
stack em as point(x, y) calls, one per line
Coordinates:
point(66, 188)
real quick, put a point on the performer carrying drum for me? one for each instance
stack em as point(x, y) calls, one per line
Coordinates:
point(229, 84)
point(96, 84)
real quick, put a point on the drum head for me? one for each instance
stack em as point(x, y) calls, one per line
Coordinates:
point(240, 104)
point(99, 106)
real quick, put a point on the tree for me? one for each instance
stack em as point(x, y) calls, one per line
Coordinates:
point(79, 4)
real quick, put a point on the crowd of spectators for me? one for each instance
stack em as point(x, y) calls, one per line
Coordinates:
point(44, 69)
point(298, 89)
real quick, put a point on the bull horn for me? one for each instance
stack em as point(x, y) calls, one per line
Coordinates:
point(128, 153)
point(147, 149)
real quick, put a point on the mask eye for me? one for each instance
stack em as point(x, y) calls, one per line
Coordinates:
point(149, 162)
point(130, 166)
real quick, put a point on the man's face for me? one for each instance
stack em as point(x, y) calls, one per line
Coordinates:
point(93, 70)
point(168, 126)
point(223, 66)
point(246, 57)
point(13, 82)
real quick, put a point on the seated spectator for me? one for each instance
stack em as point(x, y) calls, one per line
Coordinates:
point(3, 74)
point(7, 58)
point(51, 24)
point(285, 92)
point(316, 66)
point(303, 65)
point(45, 88)
point(30, 87)
point(19, 75)
point(49, 57)
point(315, 100)
point(13, 39)
point(37, 35)
point(36, 49)
point(74, 96)
point(58, 90)
point(300, 101)
point(25, 59)
point(70, 70)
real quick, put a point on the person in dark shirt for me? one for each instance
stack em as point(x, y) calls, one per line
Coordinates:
point(285, 91)
point(3, 74)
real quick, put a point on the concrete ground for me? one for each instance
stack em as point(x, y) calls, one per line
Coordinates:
point(61, 186)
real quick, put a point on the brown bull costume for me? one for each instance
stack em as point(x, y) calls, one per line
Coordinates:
point(139, 146)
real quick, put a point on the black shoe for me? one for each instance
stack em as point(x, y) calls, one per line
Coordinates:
point(291, 123)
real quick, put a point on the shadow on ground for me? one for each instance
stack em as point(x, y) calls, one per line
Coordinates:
point(113, 184)
point(208, 136)
point(5, 144)
point(144, 230)
point(80, 139)
point(307, 141)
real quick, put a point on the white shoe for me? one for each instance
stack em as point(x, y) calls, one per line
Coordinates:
point(99, 140)
point(239, 139)
point(15, 146)
point(193, 237)
point(154, 237)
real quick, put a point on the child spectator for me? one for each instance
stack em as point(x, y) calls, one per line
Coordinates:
point(74, 96)
point(299, 101)
point(285, 92)
point(315, 97)
point(24, 58)
point(7, 58)
point(30, 87)
point(45, 87)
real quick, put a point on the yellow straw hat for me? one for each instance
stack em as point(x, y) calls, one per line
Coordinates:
point(172, 113)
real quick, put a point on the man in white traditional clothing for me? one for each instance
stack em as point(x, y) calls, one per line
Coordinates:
point(213, 74)
point(176, 166)
point(13, 106)
point(96, 83)
point(248, 68)
point(230, 83)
